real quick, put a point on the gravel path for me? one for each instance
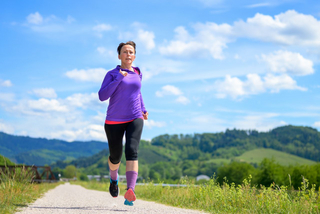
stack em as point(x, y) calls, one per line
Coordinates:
point(69, 198)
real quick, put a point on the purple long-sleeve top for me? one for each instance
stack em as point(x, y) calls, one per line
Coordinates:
point(126, 101)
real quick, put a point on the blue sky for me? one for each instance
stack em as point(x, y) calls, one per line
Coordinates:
point(208, 65)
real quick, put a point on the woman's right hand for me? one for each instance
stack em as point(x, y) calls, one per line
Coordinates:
point(124, 73)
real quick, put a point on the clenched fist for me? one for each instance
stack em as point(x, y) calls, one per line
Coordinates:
point(124, 73)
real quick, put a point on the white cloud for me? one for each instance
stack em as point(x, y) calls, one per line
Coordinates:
point(285, 61)
point(277, 83)
point(50, 24)
point(70, 19)
point(45, 92)
point(8, 97)
point(168, 90)
point(209, 38)
point(183, 100)
point(141, 37)
point(87, 132)
point(266, 4)
point(46, 105)
point(151, 123)
point(84, 101)
point(101, 50)
point(102, 27)
point(146, 38)
point(6, 128)
point(317, 124)
point(210, 3)
point(203, 122)
point(289, 28)
point(90, 75)
point(70, 118)
point(258, 121)
point(5, 83)
point(236, 88)
point(35, 18)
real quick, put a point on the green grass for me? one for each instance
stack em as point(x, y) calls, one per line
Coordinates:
point(16, 191)
point(213, 198)
point(219, 161)
point(5, 161)
point(257, 155)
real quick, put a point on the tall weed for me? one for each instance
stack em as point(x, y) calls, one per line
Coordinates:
point(230, 198)
point(16, 189)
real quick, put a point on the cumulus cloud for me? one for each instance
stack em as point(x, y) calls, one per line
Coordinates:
point(50, 24)
point(259, 121)
point(5, 83)
point(209, 38)
point(285, 61)
point(46, 105)
point(183, 100)
point(210, 3)
point(146, 38)
point(236, 88)
point(289, 28)
point(168, 90)
point(76, 117)
point(142, 37)
point(84, 101)
point(151, 123)
point(266, 4)
point(45, 92)
point(35, 18)
point(317, 124)
point(6, 128)
point(101, 50)
point(88, 132)
point(102, 27)
point(89, 75)
point(7, 97)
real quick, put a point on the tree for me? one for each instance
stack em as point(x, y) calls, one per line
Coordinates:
point(234, 172)
point(70, 171)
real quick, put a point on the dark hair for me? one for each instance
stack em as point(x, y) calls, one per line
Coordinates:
point(127, 43)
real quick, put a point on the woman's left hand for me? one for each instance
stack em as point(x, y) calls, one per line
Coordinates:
point(145, 115)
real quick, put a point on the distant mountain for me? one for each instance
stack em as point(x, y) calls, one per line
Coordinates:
point(41, 151)
point(173, 156)
point(175, 149)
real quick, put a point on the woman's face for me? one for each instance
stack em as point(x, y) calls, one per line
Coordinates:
point(127, 55)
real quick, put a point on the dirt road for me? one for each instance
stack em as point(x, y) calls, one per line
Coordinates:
point(67, 198)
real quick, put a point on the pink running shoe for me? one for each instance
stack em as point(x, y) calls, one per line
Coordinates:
point(130, 196)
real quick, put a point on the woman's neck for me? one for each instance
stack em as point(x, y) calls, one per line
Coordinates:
point(129, 67)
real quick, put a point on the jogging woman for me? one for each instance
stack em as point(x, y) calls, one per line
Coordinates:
point(125, 115)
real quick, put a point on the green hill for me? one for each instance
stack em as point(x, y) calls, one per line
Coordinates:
point(171, 156)
point(5, 161)
point(41, 151)
point(285, 159)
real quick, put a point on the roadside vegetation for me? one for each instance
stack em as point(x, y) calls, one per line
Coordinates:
point(227, 198)
point(16, 190)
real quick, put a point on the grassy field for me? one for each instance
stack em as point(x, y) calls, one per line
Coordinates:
point(213, 198)
point(16, 191)
point(285, 159)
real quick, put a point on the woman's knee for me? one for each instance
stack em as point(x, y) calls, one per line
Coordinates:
point(115, 159)
point(131, 152)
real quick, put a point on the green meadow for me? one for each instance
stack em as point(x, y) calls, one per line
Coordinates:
point(285, 159)
point(227, 198)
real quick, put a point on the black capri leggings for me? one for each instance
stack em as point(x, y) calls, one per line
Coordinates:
point(115, 134)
